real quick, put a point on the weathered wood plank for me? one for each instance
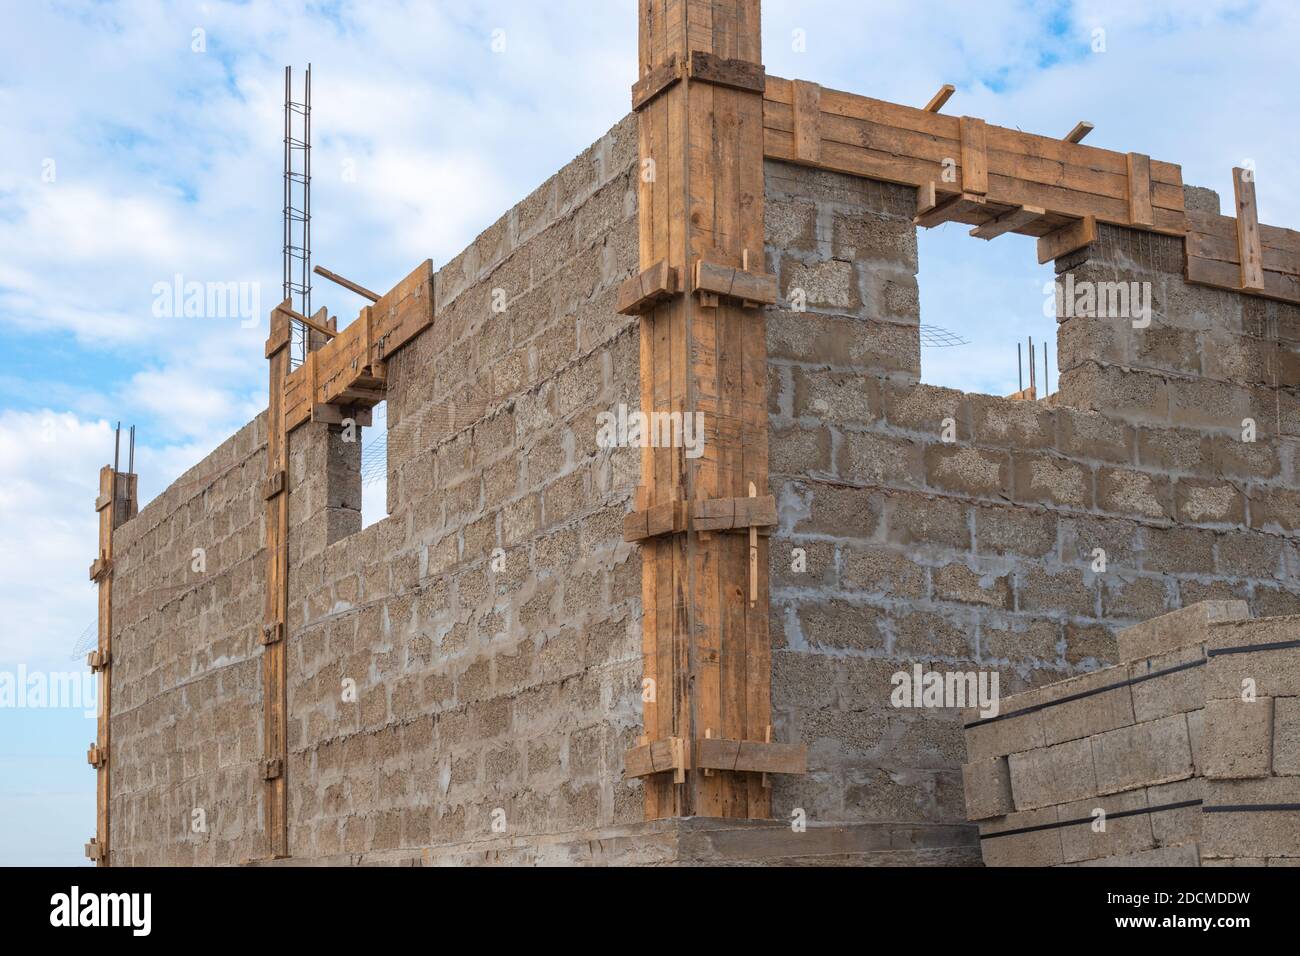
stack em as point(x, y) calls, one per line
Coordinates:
point(1067, 239)
point(1249, 247)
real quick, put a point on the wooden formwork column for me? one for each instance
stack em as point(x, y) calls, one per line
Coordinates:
point(275, 739)
point(117, 502)
point(705, 640)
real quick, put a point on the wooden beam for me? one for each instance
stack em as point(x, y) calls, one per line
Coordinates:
point(706, 656)
point(116, 504)
point(726, 514)
point(974, 156)
point(871, 138)
point(750, 756)
point(1009, 222)
point(1080, 131)
point(1067, 239)
point(645, 291)
point(275, 737)
point(667, 517)
point(347, 284)
point(654, 82)
point(1249, 246)
point(732, 283)
point(939, 99)
point(315, 324)
point(944, 207)
point(1139, 190)
point(735, 73)
point(672, 754)
point(807, 121)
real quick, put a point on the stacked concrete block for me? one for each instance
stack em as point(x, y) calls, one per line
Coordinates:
point(1252, 748)
point(1178, 749)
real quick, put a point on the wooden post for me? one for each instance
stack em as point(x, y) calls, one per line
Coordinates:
point(275, 619)
point(117, 503)
point(706, 648)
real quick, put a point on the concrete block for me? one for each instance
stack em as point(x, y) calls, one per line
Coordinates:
point(1196, 733)
point(1174, 693)
point(1238, 737)
point(1273, 673)
point(1007, 733)
point(1093, 714)
point(1286, 736)
point(987, 784)
point(1103, 836)
point(1052, 775)
point(1174, 827)
point(1157, 751)
point(1166, 856)
point(1035, 848)
point(1176, 629)
point(1263, 833)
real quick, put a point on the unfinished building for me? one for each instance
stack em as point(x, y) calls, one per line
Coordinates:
point(561, 648)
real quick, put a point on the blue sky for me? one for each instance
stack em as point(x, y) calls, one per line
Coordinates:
point(131, 157)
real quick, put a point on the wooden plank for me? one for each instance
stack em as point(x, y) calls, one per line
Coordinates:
point(705, 205)
point(654, 82)
point(1281, 286)
point(939, 99)
point(752, 756)
point(275, 738)
point(1249, 246)
point(974, 156)
point(727, 71)
point(644, 291)
point(733, 283)
point(659, 756)
point(725, 514)
point(949, 208)
point(1139, 190)
point(1008, 222)
point(1081, 130)
point(347, 284)
point(807, 121)
point(1067, 239)
point(1211, 236)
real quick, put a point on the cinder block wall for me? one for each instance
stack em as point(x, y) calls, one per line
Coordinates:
point(187, 689)
point(508, 680)
point(978, 553)
point(491, 623)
